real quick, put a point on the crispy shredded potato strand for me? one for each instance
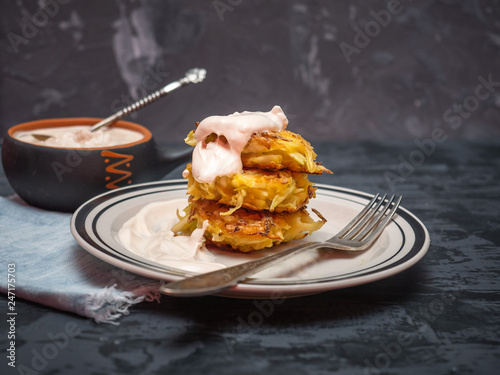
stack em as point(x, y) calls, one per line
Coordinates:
point(256, 189)
point(245, 230)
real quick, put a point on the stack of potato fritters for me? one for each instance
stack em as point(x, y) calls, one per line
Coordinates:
point(262, 206)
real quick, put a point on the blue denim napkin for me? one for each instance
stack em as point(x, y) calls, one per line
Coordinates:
point(50, 268)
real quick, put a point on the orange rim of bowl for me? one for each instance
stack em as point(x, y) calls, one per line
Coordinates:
point(74, 121)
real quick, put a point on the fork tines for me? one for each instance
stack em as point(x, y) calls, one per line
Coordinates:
point(372, 219)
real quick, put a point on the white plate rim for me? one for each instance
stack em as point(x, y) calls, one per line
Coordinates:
point(251, 288)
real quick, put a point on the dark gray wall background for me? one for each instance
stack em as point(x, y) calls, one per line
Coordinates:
point(88, 58)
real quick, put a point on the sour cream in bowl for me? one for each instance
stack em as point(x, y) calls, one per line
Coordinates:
point(74, 165)
point(80, 136)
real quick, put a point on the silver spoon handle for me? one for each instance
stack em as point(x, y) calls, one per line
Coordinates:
point(194, 75)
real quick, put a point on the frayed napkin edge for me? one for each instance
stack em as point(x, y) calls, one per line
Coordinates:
point(109, 304)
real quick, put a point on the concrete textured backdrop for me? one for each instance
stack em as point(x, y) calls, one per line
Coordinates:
point(341, 70)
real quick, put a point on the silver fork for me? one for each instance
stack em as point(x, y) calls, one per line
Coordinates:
point(358, 235)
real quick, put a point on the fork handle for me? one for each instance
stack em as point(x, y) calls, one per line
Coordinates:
point(216, 281)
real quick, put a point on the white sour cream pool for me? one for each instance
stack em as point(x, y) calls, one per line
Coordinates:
point(79, 136)
point(148, 234)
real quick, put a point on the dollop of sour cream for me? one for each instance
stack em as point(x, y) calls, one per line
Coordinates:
point(222, 156)
point(80, 136)
point(148, 234)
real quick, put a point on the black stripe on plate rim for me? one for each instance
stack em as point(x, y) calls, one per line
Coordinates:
point(110, 251)
point(181, 184)
point(354, 274)
point(80, 218)
point(420, 237)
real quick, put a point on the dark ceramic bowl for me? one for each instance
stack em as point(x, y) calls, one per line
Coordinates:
point(61, 179)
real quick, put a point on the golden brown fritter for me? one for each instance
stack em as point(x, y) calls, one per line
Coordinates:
point(256, 189)
point(281, 150)
point(276, 151)
point(245, 230)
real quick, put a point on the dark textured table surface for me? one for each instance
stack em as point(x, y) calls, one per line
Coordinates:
point(442, 316)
